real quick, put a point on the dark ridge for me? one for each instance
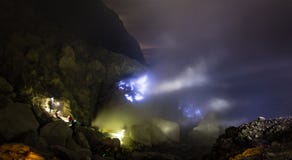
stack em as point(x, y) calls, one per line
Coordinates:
point(89, 20)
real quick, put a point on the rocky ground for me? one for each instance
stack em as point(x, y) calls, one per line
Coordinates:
point(29, 130)
point(262, 139)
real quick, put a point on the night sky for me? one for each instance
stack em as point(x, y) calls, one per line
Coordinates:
point(237, 52)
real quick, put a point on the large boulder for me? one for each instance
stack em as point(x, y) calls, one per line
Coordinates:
point(81, 140)
point(17, 119)
point(56, 133)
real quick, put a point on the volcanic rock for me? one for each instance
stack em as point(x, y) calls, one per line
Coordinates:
point(259, 139)
point(153, 155)
point(81, 140)
point(65, 153)
point(74, 51)
point(6, 91)
point(46, 54)
point(56, 133)
point(18, 151)
point(90, 20)
point(16, 119)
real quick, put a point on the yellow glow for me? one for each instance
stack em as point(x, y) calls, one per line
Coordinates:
point(61, 105)
point(119, 135)
point(18, 151)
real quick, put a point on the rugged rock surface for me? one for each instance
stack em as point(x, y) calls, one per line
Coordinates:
point(261, 139)
point(18, 151)
point(70, 70)
point(16, 119)
point(6, 91)
point(46, 50)
point(56, 133)
point(55, 140)
point(74, 51)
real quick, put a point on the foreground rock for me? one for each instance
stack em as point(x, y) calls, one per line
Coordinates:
point(56, 133)
point(21, 135)
point(16, 119)
point(260, 139)
point(18, 151)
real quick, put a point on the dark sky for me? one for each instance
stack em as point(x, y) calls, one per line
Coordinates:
point(241, 48)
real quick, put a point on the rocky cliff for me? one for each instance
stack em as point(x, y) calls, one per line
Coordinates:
point(58, 60)
point(269, 139)
point(64, 49)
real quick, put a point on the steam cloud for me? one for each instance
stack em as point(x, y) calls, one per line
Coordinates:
point(231, 58)
point(190, 77)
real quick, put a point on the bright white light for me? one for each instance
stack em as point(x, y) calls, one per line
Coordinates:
point(57, 104)
point(139, 97)
point(134, 89)
point(141, 84)
point(129, 98)
point(119, 135)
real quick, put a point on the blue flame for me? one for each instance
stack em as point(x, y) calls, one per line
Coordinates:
point(134, 89)
point(190, 111)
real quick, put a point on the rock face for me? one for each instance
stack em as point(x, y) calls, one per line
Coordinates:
point(260, 139)
point(75, 51)
point(18, 151)
point(16, 119)
point(64, 49)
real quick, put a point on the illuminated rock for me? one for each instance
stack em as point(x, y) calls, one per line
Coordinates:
point(18, 152)
point(259, 139)
point(120, 135)
point(42, 58)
